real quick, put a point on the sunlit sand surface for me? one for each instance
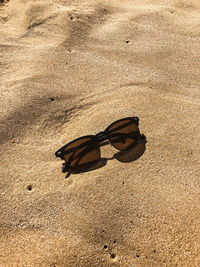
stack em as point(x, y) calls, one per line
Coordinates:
point(71, 68)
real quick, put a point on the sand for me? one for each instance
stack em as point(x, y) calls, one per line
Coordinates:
point(70, 68)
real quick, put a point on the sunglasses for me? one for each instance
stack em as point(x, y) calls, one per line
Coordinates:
point(84, 152)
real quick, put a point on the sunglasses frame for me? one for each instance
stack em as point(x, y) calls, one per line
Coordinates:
point(97, 138)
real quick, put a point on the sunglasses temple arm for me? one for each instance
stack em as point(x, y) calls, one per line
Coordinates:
point(60, 153)
point(66, 167)
point(125, 135)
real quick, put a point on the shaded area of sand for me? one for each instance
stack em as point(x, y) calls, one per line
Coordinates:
point(67, 69)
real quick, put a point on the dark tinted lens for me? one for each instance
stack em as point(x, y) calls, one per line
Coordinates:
point(72, 146)
point(85, 152)
point(123, 134)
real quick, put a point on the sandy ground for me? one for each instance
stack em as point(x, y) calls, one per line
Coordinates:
point(70, 68)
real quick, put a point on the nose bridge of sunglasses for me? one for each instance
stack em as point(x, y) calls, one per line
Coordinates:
point(58, 153)
point(100, 135)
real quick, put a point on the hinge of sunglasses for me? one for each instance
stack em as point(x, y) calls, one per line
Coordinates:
point(136, 120)
point(59, 154)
